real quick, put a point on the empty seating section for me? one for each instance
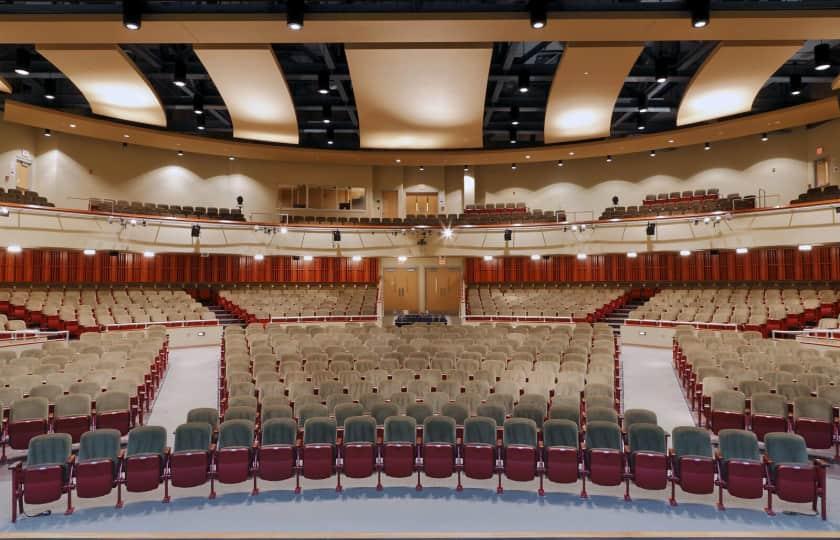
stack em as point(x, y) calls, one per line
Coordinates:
point(23, 196)
point(165, 210)
point(758, 309)
point(103, 380)
point(680, 203)
point(542, 303)
point(817, 194)
point(741, 381)
point(89, 310)
point(302, 303)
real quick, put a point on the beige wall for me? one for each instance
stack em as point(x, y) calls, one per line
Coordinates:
point(15, 142)
point(67, 169)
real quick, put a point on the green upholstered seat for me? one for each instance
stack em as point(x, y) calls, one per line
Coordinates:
point(738, 444)
point(601, 414)
point(278, 431)
point(480, 430)
point(359, 429)
point(645, 437)
point(785, 449)
point(146, 440)
point(276, 411)
point(492, 410)
point(565, 409)
point(729, 401)
point(241, 413)
point(91, 389)
point(204, 414)
point(99, 444)
point(243, 401)
point(560, 432)
point(439, 429)
point(52, 449)
point(768, 404)
point(691, 441)
point(236, 434)
point(400, 429)
point(319, 430)
point(520, 431)
point(419, 411)
point(505, 400)
point(346, 410)
point(370, 399)
point(792, 391)
point(831, 393)
point(536, 400)
point(192, 437)
point(750, 387)
point(530, 411)
point(638, 416)
point(603, 434)
point(814, 408)
point(72, 405)
point(381, 411)
point(456, 411)
point(49, 391)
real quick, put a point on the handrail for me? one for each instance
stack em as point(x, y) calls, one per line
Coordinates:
point(21, 335)
point(658, 323)
point(810, 332)
point(168, 324)
point(515, 318)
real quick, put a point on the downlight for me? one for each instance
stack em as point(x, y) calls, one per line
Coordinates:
point(700, 13)
point(538, 13)
point(294, 14)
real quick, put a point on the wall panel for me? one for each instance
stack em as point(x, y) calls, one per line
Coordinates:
point(52, 266)
point(764, 264)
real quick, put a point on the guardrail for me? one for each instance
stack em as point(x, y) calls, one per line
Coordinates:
point(670, 324)
point(321, 318)
point(822, 333)
point(168, 324)
point(11, 337)
point(520, 318)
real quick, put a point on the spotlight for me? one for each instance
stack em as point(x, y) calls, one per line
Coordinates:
point(707, 146)
point(764, 137)
point(231, 158)
point(294, 14)
point(684, 253)
point(402, 258)
point(200, 123)
point(650, 230)
point(513, 166)
point(14, 248)
point(259, 257)
point(524, 82)
point(356, 258)
point(336, 236)
point(466, 168)
point(198, 103)
point(609, 159)
point(538, 12)
point(707, 219)
point(132, 222)
point(180, 77)
point(49, 89)
point(822, 57)
point(422, 168)
point(284, 230)
point(326, 114)
point(307, 258)
point(741, 251)
point(581, 256)
point(632, 254)
point(446, 233)
point(805, 247)
point(700, 12)
point(4, 211)
point(795, 85)
point(149, 254)
point(89, 252)
point(643, 104)
point(488, 258)
point(240, 200)
point(23, 62)
point(535, 257)
point(180, 153)
point(195, 232)
point(508, 235)
point(512, 136)
point(640, 124)
point(560, 163)
point(661, 70)
point(132, 13)
point(47, 133)
point(653, 153)
point(330, 136)
point(324, 82)
point(514, 115)
point(574, 228)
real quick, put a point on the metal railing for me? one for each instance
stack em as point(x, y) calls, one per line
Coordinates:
point(517, 318)
point(168, 324)
point(822, 333)
point(658, 323)
point(8, 337)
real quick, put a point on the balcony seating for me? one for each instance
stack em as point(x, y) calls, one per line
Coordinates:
point(541, 303)
point(818, 194)
point(153, 209)
point(23, 196)
point(681, 203)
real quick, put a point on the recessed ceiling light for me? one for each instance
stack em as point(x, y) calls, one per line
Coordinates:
point(581, 256)
point(764, 137)
point(572, 153)
point(488, 257)
point(632, 254)
point(685, 253)
point(741, 251)
point(89, 252)
point(560, 163)
point(822, 57)
point(707, 146)
point(535, 257)
point(524, 81)
point(538, 13)
point(527, 156)
point(294, 14)
point(72, 125)
point(132, 13)
point(47, 133)
point(700, 13)
point(23, 62)
point(231, 158)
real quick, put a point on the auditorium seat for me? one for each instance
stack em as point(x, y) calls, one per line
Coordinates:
point(98, 465)
point(739, 463)
point(791, 474)
point(45, 476)
point(693, 465)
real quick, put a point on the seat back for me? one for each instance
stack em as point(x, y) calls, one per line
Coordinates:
point(601, 414)
point(31, 408)
point(729, 401)
point(814, 408)
point(520, 431)
point(52, 449)
point(204, 414)
point(72, 405)
point(645, 437)
point(480, 430)
point(638, 416)
point(343, 411)
point(691, 441)
point(565, 409)
point(99, 444)
point(192, 437)
point(530, 411)
point(146, 440)
point(602, 434)
point(241, 412)
point(360, 429)
point(278, 431)
point(439, 429)
point(236, 434)
point(319, 430)
point(787, 448)
point(275, 411)
point(457, 412)
point(560, 433)
point(419, 411)
point(381, 411)
point(738, 444)
point(400, 429)
point(769, 404)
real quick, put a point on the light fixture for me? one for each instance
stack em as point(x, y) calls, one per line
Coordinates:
point(527, 156)
point(259, 257)
point(466, 168)
point(524, 81)
point(514, 115)
point(609, 159)
point(324, 82)
point(650, 230)
point(132, 222)
point(398, 160)
point(47, 132)
point(89, 252)
point(560, 163)
point(132, 13)
point(231, 158)
point(513, 166)
point(640, 124)
point(535, 257)
point(684, 253)
point(446, 233)
point(741, 251)
point(326, 114)
point(764, 137)
point(632, 254)
point(795, 84)
point(284, 230)
point(538, 13)
point(574, 228)
point(421, 168)
point(200, 123)
point(73, 126)
point(14, 248)
point(330, 136)
point(512, 136)
point(508, 235)
point(126, 136)
point(700, 12)
point(149, 254)
point(643, 104)
point(402, 258)
point(307, 258)
point(581, 256)
point(180, 153)
point(661, 71)
point(822, 57)
point(49, 89)
point(805, 247)
point(707, 146)
point(4, 211)
point(653, 153)
point(198, 103)
point(488, 257)
point(23, 62)
point(179, 78)
point(294, 14)
point(671, 141)
point(571, 153)
point(707, 219)
point(356, 258)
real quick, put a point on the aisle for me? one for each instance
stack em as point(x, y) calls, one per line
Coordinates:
point(190, 382)
point(650, 383)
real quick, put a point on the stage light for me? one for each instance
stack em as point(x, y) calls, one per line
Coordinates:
point(535, 257)
point(47, 133)
point(632, 254)
point(330, 136)
point(132, 13)
point(513, 166)
point(326, 114)
point(49, 89)
point(294, 14)
point(764, 137)
point(89, 252)
point(356, 258)
point(643, 104)
point(179, 78)
point(149, 254)
point(23, 62)
point(661, 71)
point(198, 103)
point(324, 82)
point(538, 13)
point(560, 163)
point(488, 258)
point(446, 233)
point(822, 57)
point(795, 85)
point(4, 211)
point(14, 248)
point(524, 81)
point(652, 153)
point(200, 123)
point(684, 253)
point(259, 257)
point(741, 251)
point(514, 115)
point(641, 125)
point(512, 136)
point(700, 12)
point(231, 158)
point(707, 146)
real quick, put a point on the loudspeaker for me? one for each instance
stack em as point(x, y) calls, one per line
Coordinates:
point(651, 229)
point(336, 236)
point(195, 232)
point(113, 253)
point(714, 251)
point(295, 257)
point(508, 235)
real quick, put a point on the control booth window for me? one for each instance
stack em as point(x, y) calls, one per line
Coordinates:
point(317, 197)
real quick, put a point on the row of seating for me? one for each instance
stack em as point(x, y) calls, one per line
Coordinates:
point(818, 193)
point(166, 210)
point(486, 302)
point(682, 196)
point(278, 451)
point(305, 304)
point(23, 196)
point(732, 203)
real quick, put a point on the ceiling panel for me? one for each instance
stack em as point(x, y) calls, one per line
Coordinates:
point(5, 87)
point(254, 90)
point(728, 82)
point(585, 89)
point(109, 80)
point(420, 97)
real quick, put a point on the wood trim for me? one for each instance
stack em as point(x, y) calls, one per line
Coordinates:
point(59, 122)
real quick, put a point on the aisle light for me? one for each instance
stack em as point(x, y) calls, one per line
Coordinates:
point(488, 258)
point(535, 257)
point(307, 258)
point(402, 258)
point(356, 258)
point(581, 256)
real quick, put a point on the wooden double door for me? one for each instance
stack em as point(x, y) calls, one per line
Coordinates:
point(421, 204)
point(400, 290)
point(443, 290)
